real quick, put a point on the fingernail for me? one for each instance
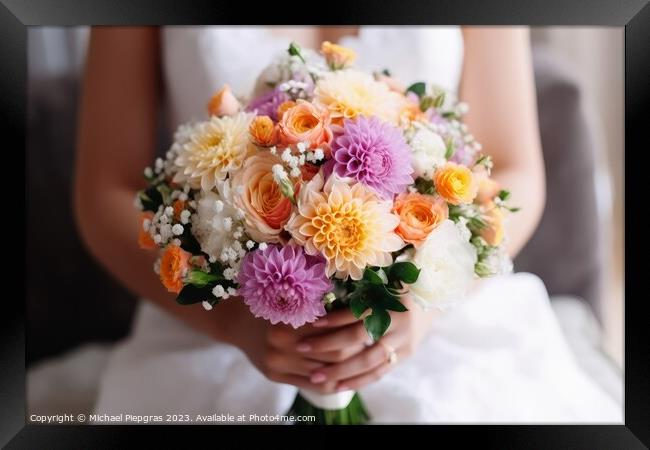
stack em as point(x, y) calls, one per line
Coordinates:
point(342, 388)
point(303, 347)
point(318, 377)
point(320, 323)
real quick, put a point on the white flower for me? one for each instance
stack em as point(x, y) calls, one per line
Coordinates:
point(178, 229)
point(250, 244)
point(206, 305)
point(447, 262)
point(209, 224)
point(428, 151)
point(218, 291)
point(263, 246)
point(217, 147)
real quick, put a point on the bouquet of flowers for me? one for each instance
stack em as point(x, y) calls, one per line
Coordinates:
point(330, 188)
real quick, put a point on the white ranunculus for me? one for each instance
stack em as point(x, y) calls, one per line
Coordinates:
point(428, 151)
point(446, 260)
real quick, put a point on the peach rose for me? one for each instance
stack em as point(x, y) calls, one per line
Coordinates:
point(493, 217)
point(419, 215)
point(455, 183)
point(144, 238)
point(223, 103)
point(263, 131)
point(487, 190)
point(305, 122)
point(174, 266)
point(337, 56)
point(266, 209)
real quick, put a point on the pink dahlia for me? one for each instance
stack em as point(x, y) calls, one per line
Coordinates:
point(284, 284)
point(374, 153)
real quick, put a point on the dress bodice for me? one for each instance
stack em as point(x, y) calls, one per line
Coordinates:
point(199, 60)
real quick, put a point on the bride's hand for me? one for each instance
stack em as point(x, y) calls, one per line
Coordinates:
point(406, 331)
point(275, 351)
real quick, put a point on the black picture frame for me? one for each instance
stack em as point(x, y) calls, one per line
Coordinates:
point(634, 15)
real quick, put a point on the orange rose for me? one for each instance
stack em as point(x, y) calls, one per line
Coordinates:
point(493, 217)
point(223, 103)
point(266, 209)
point(263, 131)
point(455, 183)
point(174, 266)
point(419, 215)
point(337, 57)
point(144, 238)
point(305, 122)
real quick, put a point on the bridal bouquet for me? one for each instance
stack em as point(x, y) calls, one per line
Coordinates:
point(330, 188)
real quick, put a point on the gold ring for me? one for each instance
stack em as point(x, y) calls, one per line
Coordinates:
point(391, 354)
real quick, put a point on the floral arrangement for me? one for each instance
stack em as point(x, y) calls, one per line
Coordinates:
point(331, 187)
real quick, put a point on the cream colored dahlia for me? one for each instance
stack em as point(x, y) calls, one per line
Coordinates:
point(350, 225)
point(216, 147)
point(350, 93)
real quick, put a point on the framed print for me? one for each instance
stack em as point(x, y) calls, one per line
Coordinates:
point(392, 214)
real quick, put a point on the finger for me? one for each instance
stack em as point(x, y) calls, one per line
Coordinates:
point(336, 339)
point(301, 382)
point(356, 383)
point(290, 364)
point(284, 336)
point(335, 319)
point(336, 356)
point(364, 362)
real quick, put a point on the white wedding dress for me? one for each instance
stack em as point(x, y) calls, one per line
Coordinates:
point(498, 357)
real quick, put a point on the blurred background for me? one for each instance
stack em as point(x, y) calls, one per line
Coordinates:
point(579, 78)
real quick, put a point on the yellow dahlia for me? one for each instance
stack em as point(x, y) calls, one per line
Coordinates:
point(350, 93)
point(216, 147)
point(349, 225)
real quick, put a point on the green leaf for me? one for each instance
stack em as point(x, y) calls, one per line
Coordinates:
point(200, 278)
point(165, 192)
point(295, 50)
point(372, 277)
point(189, 242)
point(440, 100)
point(192, 294)
point(504, 195)
point(427, 102)
point(425, 186)
point(418, 89)
point(358, 305)
point(386, 72)
point(388, 301)
point(377, 323)
point(405, 271)
point(450, 149)
point(151, 199)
